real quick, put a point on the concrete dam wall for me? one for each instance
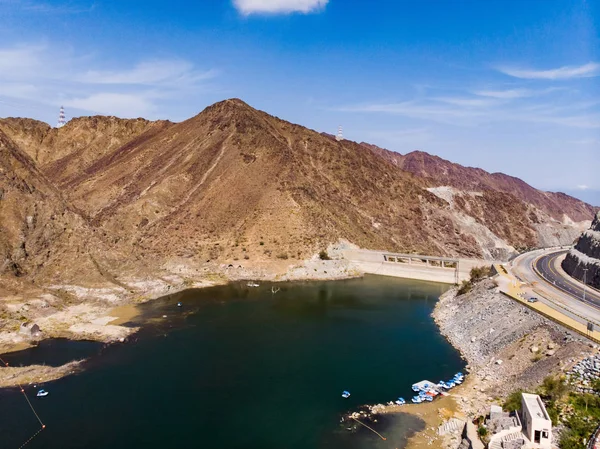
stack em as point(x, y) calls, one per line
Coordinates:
point(413, 266)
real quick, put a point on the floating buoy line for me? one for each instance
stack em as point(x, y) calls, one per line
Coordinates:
point(42, 425)
point(371, 429)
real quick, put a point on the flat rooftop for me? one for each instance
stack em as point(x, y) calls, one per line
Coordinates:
point(535, 406)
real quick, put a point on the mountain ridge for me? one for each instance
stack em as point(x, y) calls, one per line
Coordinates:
point(234, 183)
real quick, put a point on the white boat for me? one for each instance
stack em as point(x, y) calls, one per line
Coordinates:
point(417, 399)
point(42, 393)
point(252, 284)
point(400, 401)
point(424, 385)
point(345, 394)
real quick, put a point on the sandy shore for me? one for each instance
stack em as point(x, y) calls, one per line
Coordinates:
point(124, 314)
point(34, 374)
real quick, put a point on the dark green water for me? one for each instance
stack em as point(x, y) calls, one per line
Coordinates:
point(238, 367)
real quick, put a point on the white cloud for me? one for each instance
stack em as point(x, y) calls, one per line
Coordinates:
point(469, 111)
point(151, 73)
point(582, 187)
point(124, 105)
point(36, 75)
point(507, 94)
point(566, 72)
point(248, 7)
point(465, 101)
point(38, 7)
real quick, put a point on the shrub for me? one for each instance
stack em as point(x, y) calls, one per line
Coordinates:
point(465, 287)
point(324, 256)
point(553, 388)
point(482, 431)
point(283, 256)
point(479, 273)
point(513, 401)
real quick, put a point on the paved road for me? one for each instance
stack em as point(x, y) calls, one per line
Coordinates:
point(560, 299)
point(546, 267)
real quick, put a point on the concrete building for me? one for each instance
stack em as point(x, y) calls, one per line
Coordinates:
point(536, 423)
point(531, 428)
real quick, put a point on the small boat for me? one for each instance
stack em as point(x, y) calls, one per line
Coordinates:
point(417, 399)
point(252, 284)
point(42, 393)
point(345, 394)
point(400, 401)
point(428, 398)
point(179, 304)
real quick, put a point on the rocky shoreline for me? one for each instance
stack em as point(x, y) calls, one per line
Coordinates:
point(507, 346)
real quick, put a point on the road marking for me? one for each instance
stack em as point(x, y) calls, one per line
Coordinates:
point(564, 286)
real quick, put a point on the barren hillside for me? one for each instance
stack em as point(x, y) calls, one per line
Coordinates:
point(40, 234)
point(63, 152)
point(518, 213)
point(236, 184)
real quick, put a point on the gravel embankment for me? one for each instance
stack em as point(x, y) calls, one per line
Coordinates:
point(506, 345)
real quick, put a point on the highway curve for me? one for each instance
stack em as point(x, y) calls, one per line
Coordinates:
point(545, 267)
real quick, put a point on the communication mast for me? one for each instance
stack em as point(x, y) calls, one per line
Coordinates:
point(339, 136)
point(61, 118)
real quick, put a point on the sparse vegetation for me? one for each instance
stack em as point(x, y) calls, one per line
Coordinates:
point(283, 256)
point(537, 357)
point(479, 273)
point(513, 401)
point(465, 287)
point(323, 255)
point(578, 412)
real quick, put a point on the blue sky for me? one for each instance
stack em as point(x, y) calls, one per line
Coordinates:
point(510, 86)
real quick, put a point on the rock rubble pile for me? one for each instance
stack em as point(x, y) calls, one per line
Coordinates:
point(582, 375)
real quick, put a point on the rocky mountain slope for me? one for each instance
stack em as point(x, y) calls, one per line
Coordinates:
point(545, 218)
point(586, 256)
point(63, 152)
point(236, 185)
point(40, 234)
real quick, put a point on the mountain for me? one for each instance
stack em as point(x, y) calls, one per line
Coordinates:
point(585, 256)
point(40, 234)
point(236, 184)
point(552, 217)
point(64, 152)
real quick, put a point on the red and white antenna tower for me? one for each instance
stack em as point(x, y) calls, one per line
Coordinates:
point(61, 118)
point(339, 136)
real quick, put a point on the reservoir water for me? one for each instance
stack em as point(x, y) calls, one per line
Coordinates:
point(243, 368)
